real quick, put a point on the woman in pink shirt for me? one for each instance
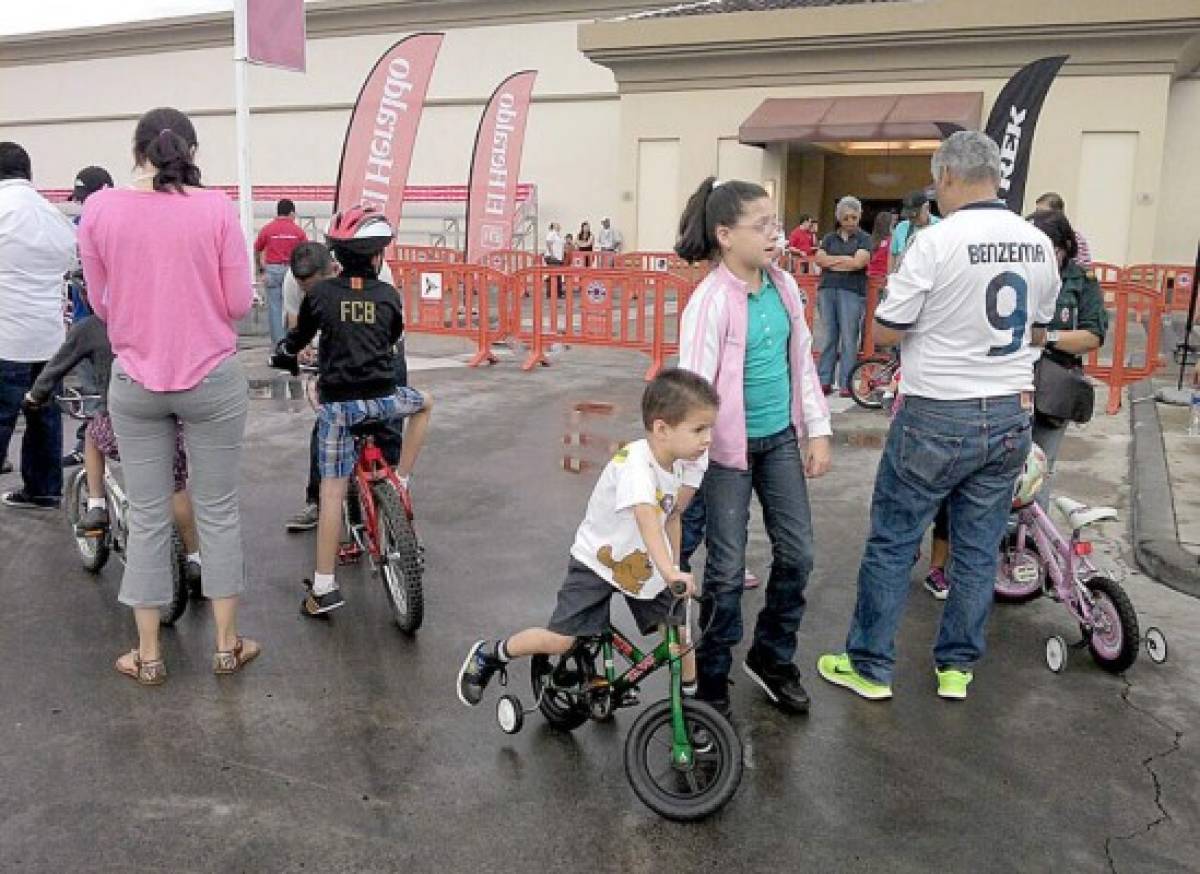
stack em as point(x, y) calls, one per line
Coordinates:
point(168, 271)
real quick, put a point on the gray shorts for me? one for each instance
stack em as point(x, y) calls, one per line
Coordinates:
point(582, 608)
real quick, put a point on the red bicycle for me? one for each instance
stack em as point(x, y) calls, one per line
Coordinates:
point(378, 515)
point(378, 518)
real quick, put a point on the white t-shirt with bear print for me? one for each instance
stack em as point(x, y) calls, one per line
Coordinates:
point(608, 540)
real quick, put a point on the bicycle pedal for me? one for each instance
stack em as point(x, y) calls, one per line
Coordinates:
point(349, 554)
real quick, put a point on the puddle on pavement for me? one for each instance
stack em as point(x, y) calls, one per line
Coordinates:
point(588, 441)
point(860, 439)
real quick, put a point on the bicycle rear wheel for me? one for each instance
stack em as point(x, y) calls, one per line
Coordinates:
point(401, 565)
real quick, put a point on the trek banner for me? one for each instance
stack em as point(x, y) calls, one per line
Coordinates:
point(1011, 123)
point(378, 149)
point(496, 167)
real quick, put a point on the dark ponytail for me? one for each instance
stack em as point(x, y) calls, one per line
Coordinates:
point(1054, 225)
point(712, 204)
point(166, 139)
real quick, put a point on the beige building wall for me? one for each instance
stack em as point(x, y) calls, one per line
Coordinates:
point(1076, 104)
point(298, 121)
point(1178, 204)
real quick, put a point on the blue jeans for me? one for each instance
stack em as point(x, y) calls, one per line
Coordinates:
point(692, 531)
point(841, 319)
point(274, 287)
point(776, 474)
point(971, 453)
point(41, 450)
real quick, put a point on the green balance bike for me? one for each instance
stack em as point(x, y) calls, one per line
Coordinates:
point(682, 758)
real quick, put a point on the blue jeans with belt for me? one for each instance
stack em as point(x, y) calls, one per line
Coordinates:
point(41, 450)
point(775, 472)
point(969, 452)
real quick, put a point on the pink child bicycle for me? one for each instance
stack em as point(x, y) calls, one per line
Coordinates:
point(1039, 560)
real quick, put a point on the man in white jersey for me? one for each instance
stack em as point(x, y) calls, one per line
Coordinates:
point(968, 306)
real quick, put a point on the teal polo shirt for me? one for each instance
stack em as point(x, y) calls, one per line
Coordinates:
point(767, 384)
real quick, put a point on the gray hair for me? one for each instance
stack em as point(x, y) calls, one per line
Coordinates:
point(847, 204)
point(968, 155)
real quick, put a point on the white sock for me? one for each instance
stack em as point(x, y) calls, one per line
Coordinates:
point(194, 557)
point(323, 584)
point(96, 504)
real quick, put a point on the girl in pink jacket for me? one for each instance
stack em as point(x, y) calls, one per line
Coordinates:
point(744, 330)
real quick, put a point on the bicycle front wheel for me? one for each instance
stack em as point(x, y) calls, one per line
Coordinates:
point(683, 792)
point(866, 385)
point(169, 613)
point(401, 565)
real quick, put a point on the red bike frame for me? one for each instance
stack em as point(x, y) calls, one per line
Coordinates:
point(370, 468)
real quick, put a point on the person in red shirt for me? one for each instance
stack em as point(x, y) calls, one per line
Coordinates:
point(272, 253)
point(802, 242)
point(881, 244)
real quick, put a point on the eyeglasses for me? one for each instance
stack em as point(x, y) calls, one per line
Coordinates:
point(765, 227)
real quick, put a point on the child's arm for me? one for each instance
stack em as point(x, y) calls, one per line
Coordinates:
point(73, 350)
point(675, 520)
point(652, 535)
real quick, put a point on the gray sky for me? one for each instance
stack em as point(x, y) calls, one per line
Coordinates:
point(30, 16)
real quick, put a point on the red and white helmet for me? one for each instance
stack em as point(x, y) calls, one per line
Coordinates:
point(360, 229)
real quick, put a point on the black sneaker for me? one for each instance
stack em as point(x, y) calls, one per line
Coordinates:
point(780, 682)
point(6, 466)
point(319, 605)
point(18, 500)
point(476, 672)
point(94, 521)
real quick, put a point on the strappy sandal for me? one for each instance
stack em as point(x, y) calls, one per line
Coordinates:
point(232, 661)
point(147, 673)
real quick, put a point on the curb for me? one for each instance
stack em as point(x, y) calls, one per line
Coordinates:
point(1152, 521)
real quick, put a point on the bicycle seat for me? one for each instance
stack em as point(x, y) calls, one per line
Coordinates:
point(1081, 515)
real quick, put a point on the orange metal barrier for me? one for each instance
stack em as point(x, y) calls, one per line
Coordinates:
point(510, 260)
point(617, 309)
point(452, 299)
point(1129, 299)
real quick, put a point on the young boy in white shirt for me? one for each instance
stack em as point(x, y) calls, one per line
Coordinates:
point(629, 539)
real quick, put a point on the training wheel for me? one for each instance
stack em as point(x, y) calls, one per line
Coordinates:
point(1156, 644)
point(510, 714)
point(1056, 654)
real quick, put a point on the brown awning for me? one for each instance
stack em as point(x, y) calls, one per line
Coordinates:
point(879, 117)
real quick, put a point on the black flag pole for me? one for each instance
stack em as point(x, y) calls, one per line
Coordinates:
point(1186, 346)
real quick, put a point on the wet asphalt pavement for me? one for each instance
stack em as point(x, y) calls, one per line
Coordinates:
point(344, 748)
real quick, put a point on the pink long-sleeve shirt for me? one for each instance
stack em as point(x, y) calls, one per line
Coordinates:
point(169, 274)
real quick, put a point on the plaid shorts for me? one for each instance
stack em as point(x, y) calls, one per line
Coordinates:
point(335, 443)
point(100, 430)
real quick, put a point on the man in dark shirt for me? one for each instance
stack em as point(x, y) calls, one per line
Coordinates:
point(842, 294)
point(360, 320)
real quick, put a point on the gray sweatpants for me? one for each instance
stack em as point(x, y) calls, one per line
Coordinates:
point(213, 415)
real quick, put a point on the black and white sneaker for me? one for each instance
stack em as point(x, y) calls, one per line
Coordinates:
point(305, 520)
point(780, 682)
point(94, 520)
point(18, 500)
point(476, 672)
point(319, 605)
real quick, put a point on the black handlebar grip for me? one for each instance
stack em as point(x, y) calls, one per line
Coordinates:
point(678, 588)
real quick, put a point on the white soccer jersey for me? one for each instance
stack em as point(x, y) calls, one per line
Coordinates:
point(968, 295)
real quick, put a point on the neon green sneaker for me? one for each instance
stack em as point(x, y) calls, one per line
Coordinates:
point(839, 670)
point(952, 683)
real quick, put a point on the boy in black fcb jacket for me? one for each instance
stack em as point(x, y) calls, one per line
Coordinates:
point(360, 320)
